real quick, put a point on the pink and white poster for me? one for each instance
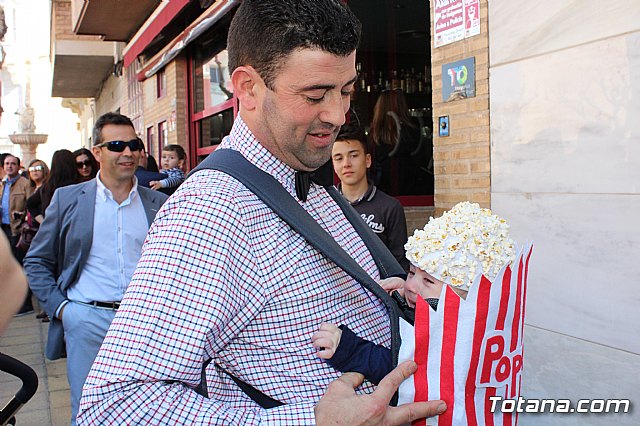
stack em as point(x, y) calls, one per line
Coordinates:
point(455, 20)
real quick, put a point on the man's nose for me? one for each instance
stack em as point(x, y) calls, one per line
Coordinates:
point(335, 110)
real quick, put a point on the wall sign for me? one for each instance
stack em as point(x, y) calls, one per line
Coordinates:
point(459, 80)
point(455, 20)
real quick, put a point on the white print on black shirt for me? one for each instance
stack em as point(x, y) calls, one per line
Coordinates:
point(378, 228)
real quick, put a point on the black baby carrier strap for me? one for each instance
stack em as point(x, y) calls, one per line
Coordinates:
point(273, 194)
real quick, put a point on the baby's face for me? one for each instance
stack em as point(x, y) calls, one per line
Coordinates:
point(422, 283)
point(170, 160)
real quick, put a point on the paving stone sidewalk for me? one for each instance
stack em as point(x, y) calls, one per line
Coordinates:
point(24, 340)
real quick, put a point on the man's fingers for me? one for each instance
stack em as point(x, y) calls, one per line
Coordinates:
point(352, 379)
point(389, 385)
point(418, 410)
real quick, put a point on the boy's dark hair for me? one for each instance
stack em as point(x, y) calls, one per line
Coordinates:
point(263, 33)
point(353, 132)
point(182, 155)
point(109, 118)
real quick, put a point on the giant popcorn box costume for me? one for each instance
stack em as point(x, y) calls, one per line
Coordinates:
point(469, 352)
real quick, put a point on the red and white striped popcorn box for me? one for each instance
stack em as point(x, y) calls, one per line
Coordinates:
point(469, 351)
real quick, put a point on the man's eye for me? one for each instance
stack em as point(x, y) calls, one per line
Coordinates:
point(315, 100)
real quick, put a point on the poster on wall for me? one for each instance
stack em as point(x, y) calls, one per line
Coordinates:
point(455, 20)
point(471, 18)
point(459, 80)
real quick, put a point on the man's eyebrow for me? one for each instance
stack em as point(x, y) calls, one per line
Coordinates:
point(326, 86)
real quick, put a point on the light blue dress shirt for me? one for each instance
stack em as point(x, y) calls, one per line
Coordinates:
point(119, 230)
point(6, 190)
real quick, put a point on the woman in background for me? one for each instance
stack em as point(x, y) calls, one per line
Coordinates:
point(38, 172)
point(401, 152)
point(86, 164)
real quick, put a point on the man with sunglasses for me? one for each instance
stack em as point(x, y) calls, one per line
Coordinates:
point(82, 259)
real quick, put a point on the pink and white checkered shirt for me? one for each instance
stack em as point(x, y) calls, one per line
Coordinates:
point(222, 276)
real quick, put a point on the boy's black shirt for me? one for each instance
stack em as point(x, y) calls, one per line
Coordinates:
point(385, 216)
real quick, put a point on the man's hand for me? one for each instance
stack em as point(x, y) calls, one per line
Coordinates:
point(326, 340)
point(340, 405)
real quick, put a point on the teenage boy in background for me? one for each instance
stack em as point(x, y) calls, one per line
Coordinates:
point(383, 213)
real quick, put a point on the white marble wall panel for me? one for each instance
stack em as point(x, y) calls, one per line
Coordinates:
point(524, 28)
point(559, 366)
point(568, 121)
point(584, 277)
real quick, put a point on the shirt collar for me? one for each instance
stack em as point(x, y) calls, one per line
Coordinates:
point(11, 181)
point(368, 195)
point(103, 192)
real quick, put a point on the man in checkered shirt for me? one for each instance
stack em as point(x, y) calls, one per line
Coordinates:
point(222, 276)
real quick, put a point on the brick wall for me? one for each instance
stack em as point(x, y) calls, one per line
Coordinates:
point(172, 107)
point(61, 26)
point(417, 217)
point(462, 160)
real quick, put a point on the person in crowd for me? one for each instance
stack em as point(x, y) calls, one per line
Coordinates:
point(443, 253)
point(86, 164)
point(173, 162)
point(400, 151)
point(13, 286)
point(152, 164)
point(63, 173)
point(82, 258)
point(2, 157)
point(143, 173)
point(15, 191)
point(223, 277)
point(384, 214)
point(38, 172)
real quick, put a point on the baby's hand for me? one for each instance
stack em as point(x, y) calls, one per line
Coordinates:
point(326, 340)
point(155, 184)
point(391, 284)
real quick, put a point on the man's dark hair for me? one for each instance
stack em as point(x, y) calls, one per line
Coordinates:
point(109, 118)
point(263, 33)
point(356, 133)
point(7, 154)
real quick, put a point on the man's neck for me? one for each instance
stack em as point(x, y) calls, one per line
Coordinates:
point(355, 192)
point(120, 189)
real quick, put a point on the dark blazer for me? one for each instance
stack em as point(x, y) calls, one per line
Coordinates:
point(60, 248)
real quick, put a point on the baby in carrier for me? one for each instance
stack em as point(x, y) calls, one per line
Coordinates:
point(451, 250)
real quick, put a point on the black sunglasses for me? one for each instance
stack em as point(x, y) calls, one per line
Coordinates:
point(83, 164)
point(120, 146)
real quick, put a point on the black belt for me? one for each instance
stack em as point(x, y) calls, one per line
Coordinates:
point(107, 305)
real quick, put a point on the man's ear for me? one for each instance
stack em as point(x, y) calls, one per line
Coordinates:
point(368, 160)
point(97, 152)
point(246, 86)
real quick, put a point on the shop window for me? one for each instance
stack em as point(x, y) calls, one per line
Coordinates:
point(212, 81)
point(213, 128)
point(150, 145)
point(213, 103)
point(161, 83)
point(394, 67)
point(162, 135)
